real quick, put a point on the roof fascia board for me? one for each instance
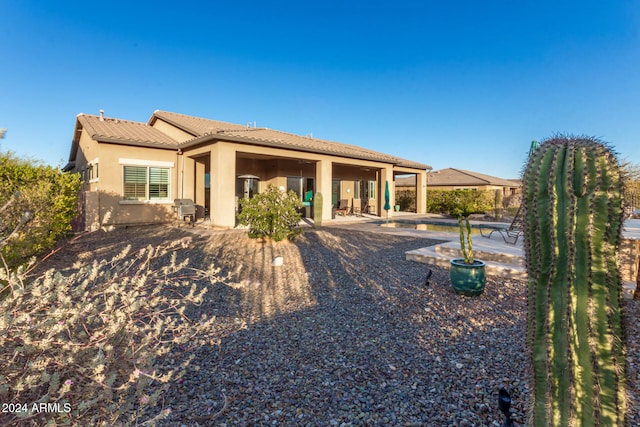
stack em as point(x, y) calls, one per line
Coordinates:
point(75, 142)
point(134, 143)
point(212, 138)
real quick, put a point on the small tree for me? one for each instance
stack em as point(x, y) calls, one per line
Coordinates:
point(272, 214)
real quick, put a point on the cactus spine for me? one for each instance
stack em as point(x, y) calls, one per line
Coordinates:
point(467, 249)
point(572, 200)
point(317, 210)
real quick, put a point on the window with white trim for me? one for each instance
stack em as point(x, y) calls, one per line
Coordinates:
point(372, 189)
point(145, 183)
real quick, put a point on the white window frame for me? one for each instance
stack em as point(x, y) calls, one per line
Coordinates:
point(148, 164)
point(372, 189)
point(94, 175)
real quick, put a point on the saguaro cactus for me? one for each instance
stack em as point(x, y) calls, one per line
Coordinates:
point(317, 210)
point(572, 197)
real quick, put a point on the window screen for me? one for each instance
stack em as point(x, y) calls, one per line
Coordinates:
point(158, 183)
point(135, 183)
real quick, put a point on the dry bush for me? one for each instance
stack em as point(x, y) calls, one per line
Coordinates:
point(82, 349)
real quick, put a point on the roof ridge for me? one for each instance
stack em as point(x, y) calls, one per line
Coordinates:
point(112, 119)
point(311, 138)
point(243, 130)
point(200, 127)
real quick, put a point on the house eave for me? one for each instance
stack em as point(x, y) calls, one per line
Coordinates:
point(69, 166)
point(146, 144)
point(213, 138)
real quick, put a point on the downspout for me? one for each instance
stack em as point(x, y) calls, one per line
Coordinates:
point(181, 184)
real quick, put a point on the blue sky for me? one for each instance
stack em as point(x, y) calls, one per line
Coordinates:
point(464, 84)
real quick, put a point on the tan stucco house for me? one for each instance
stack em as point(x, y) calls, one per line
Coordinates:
point(460, 179)
point(133, 171)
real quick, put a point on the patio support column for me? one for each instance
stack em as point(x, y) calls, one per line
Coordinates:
point(223, 188)
point(421, 192)
point(186, 190)
point(323, 185)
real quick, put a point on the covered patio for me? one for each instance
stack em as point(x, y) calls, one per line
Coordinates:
point(217, 185)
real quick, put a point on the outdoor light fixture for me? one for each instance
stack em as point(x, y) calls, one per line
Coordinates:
point(504, 405)
point(429, 273)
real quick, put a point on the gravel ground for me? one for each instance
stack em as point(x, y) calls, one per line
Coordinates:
point(344, 333)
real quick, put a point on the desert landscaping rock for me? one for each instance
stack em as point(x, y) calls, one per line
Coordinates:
point(343, 333)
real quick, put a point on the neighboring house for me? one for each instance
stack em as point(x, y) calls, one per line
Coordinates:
point(133, 171)
point(459, 179)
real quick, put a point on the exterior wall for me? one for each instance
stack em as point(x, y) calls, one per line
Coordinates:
point(88, 152)
point(172, 131)
point(386, 175)
point(506, 190)
point(323, 185)
point(91, 210)
point(421, 192)
point(223, 189)
point(114, 210)
point(105, 193)
point(463, 187)
point(273, 165)
point(186, 170)
point(348, 174)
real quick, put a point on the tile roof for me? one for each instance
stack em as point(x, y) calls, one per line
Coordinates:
point(406, 181)
point(196, 126)
point(452, 176)
point(201, 128)
point(124, 132)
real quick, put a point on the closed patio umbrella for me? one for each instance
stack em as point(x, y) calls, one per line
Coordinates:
point(387, 199)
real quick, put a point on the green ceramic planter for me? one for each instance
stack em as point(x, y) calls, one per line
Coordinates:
point(467, 279)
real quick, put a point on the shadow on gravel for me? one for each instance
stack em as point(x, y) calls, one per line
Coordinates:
point(359, 340)
point(345, 331)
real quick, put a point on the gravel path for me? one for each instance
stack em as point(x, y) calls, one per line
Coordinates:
point(345, 332)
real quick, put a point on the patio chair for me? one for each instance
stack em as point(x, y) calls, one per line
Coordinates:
point(343, 207)
point(364, 207)
point(514, 231)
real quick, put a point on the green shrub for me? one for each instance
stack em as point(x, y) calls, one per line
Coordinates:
point(271, 214)
point(48, 194)
point(90, 344)
point(406, 199)
point(459, 202)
